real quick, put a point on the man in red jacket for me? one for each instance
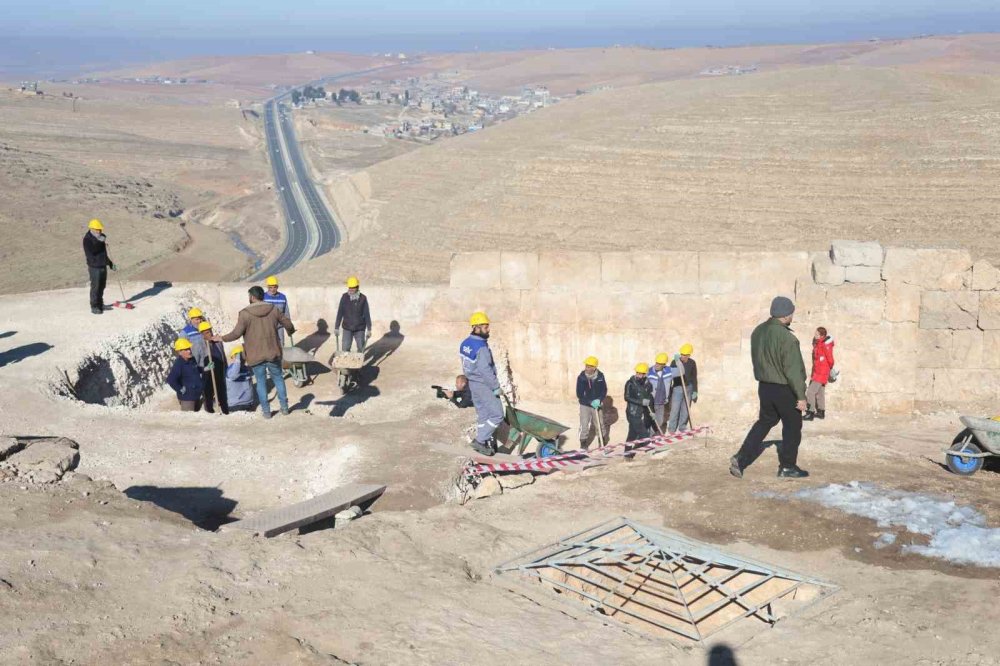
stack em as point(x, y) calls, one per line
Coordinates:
point(822, 365)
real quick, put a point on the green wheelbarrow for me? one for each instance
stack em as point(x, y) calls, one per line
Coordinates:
point(525, 427)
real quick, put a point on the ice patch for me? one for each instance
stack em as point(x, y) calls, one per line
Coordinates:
point(957, 533)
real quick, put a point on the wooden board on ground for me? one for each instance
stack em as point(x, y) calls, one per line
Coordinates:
point(277, 521)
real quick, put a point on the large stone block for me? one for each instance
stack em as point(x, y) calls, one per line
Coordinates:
point(824, 271)
point(863, 274)
point(902, 302)
point(989, 311)
point(541, 306)
point(717, 272)
point(984, 276)
point(569, 269)
point(953, 385)
point(770, 273)
point(856, 253)
point(933, 348)
point(991, 349)
point(855, 304)
point(876, 358)
point(475, 270)
point(967, 349)
point(617, 268)
point(455, 305)
point(670, 272)
point(519, 270)
point(944, 270)
point(949, 309)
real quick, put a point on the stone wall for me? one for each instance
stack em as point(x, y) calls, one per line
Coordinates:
point(914, 328)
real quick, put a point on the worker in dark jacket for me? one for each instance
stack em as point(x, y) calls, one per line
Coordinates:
point(679, 417)
point(638, 399)
point(591, 390)
point(95, 249)
point(781, 376)
point(214, 371)
point(353, 317)
point(185, 377)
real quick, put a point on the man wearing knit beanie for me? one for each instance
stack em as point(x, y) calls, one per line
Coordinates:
point(781, 376)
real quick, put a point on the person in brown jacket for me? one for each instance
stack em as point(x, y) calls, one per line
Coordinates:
point(258, 324)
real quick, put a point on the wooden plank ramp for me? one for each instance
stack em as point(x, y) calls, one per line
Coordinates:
point(273, 522)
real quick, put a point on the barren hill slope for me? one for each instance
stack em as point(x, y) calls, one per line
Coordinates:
point(772, 160)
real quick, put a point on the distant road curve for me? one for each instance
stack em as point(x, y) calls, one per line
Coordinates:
point(309, 224)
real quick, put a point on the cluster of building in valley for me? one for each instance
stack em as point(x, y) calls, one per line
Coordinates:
point(431, 107)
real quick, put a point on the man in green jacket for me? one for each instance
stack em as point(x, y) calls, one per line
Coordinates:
point(781, 376)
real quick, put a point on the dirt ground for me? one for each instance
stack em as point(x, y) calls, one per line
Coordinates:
point(121, 569)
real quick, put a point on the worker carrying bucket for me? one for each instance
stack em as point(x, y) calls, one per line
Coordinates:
point(479, 368)
point(591, 391)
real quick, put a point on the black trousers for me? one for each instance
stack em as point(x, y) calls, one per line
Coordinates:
point(639, 424)
point(220, 380)
point(98, 280)
point(777, 403)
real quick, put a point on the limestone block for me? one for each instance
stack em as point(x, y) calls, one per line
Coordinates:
point(855, 304)
point(58, 455)
point(989, 311)
point(856, 253)
point(716, 272)
point(475, 270)
point(984, 276)
point(824, 271)
point(569, 269)
point(770, 273)
point(955, 385)
point(518, 270)
point(810, 301)
point(488, 487)
point(617, 268)
point(671, 272)
point(949, 309)
point(902, 302)
point(455, 305)
point(879, 358)
point(510, 481)
point(863, 274)
point(933, 348)
point(991, 349)
point(967, 349)
point(944, 270)
point(543, 306)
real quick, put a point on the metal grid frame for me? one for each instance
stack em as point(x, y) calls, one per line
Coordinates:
point(688, 588)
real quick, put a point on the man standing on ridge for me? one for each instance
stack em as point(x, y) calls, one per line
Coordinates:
point(781, 375)
point(279, 301)
point(479, 368)
point(257, 325)
point(353, 317)
point(591, 390)
point(95, 249)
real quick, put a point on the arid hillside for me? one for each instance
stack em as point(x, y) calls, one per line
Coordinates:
point(784, 159)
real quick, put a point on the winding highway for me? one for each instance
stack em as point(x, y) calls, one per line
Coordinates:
point(311, 230)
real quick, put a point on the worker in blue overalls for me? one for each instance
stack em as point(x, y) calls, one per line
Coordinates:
point(279, 301)
point(481, 371)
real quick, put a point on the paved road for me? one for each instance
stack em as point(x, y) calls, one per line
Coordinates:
point(311, 229)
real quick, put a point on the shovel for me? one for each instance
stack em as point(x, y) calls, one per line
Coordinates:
point(124, 302)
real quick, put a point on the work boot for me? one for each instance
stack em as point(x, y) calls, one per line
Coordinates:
point(266, 415)
point(96, 311)
point(284, 411)
point(821, 413)
point(482, 449)
point(793, 472)
point(734, 467)
point(809, 415)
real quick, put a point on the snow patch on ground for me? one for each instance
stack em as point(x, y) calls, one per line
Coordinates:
point(957, 533)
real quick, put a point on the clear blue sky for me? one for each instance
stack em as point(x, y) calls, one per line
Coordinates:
point(284, 18)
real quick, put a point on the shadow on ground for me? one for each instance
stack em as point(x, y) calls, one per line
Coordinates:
point(722, 655)
point(207, 508)
point(157, 287)
point(18, 354)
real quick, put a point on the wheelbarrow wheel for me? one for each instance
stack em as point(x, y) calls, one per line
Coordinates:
point(546, 449)
point(962, 465)
point(299, 383)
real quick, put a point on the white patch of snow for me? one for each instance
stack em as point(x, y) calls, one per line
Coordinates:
point(957, 533)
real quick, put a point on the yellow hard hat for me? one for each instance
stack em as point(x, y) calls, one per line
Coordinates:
point(238, 349)
point(194, 312)
point(204, 326)
point(641, 368)
point(352, 282)
point(478, 319)
point(96, 225)
point(180, 344)
point(271, 281)
point(662, 359)
point(590, 360)
point(687, 349)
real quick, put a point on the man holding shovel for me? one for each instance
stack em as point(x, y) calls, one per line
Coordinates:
point(684, 390)
point(479, 368)
point(661, 379)
point(95, 249)
point(215, 368)
point(591, 390)
point(638, 401)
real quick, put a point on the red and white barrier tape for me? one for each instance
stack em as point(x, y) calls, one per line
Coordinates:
point(580, 457)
